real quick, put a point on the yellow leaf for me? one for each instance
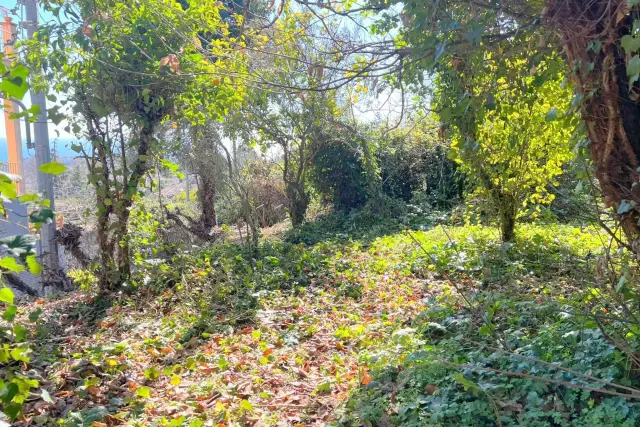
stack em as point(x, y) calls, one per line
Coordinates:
point(175, 380)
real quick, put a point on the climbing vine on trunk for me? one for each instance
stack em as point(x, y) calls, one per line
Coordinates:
point(127, 69)
point(601, 42)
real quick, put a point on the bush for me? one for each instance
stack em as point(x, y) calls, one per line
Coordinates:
point(337, 174)
point(414, 162)
point(457, 376)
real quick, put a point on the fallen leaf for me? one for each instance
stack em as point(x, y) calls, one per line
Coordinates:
point(366, 378)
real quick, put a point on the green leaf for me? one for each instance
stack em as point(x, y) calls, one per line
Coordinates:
point(191, 364)
point(42, 216)
point(12, 410)
point(53, 168)
point(9, 263)
point(144, 392)
point(246, 405)
point(34, 265)
point(4, 354)
point(324, 387)
point(630, 44)
point(151, 373)
point(20, 71)
point(466, 383)
point(475, 35)
point(19, 354)
point(8, 392)
point(484, 330)
point(175, 380)
point(20, 333)
point(35, 314)
point(223, 365)
point(633, 67)
point(19, 245)
point(8, 190)
point(76, 147)
point(8, 177)
point(55, 115)
point(446, 114)
point(10, 313)
point(26, 198)
point(14, 87)
point(6, 295)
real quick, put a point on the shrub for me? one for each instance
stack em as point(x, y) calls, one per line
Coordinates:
point(337, 174)
point(414, 163)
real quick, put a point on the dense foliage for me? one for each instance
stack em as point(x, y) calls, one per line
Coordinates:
point(362, 213)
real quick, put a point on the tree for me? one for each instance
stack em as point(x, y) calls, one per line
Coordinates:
point(516, 145)
point(290, 124)
point(337, 170)
point(126, 68)
point(599, 44)
point(196, 150)
point(18, 255)
point(238, 178)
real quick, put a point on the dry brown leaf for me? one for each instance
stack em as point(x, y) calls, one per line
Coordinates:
point(624, 10)
point(172, 62)
point(193, 342)
point(431, 389)
point(366, 378)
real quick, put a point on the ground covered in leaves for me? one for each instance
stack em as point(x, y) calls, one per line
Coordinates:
point(310, 335)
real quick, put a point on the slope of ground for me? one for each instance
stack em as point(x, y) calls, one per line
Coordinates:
point(303, 336)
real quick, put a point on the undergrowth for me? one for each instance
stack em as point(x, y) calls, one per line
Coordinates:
point(443, 327)
point(508, 341)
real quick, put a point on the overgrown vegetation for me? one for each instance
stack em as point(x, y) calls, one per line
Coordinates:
point(306, 213)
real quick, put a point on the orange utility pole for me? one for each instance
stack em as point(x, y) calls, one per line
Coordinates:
point(12, 126)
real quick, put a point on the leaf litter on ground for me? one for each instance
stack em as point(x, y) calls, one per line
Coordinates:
point(293, 364)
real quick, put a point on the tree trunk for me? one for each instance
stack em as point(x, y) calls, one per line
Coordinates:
point(610, 109)
point(115, 256)
point(106, 278)
point(298, 203)
point(253, 238)
point(207, 196)
point(508, 209)
point(123, 252)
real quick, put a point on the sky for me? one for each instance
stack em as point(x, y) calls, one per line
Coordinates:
point(54, 131)
point(367, 110)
